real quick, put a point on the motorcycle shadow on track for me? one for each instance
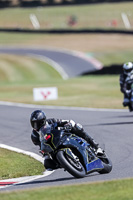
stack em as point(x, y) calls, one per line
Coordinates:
point(112, 124)
point(56, 180)
point(124, 116)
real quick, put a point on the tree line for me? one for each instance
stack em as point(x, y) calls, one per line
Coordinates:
point(33, 3)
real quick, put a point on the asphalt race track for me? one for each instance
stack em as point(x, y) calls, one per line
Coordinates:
point(111, 128)
point(72, 63)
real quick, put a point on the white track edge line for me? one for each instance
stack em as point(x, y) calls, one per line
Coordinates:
point(33, 155)
point(22, 105)
point(52, 63)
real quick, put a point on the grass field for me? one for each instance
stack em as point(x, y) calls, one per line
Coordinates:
point(110, 190)
point(105, 16)
point(108, 48)
point(22, 68)
point(13, 165)
point(19, 75)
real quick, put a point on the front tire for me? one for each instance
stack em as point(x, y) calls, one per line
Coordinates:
point(106, 163)
point(74, 167)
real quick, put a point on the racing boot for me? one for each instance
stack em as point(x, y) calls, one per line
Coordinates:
point(50, 164)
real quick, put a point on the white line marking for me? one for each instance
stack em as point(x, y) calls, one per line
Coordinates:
point(54, 64)
point(33, 155)
point(22, 105)
point(25, 179)
point(34, 21)
point(125, 20)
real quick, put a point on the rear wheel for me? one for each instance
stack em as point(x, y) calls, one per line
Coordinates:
point(131, 106)
point(72, 165)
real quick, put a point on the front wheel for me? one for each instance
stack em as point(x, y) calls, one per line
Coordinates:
point(106, 163)
point(130, 107)
point(72, 165)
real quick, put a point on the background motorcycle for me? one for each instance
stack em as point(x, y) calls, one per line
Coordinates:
point(129, 91)
point(73, 153)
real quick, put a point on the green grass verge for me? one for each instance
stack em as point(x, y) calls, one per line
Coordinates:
point(13, 165)
point(23, 68)
point(89, 91)
point(114, 57)
point(87, 16)
point(110, 190)
point(107, 48)
point(20, 75)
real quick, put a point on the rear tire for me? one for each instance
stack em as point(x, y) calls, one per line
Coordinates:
point(74, 167)
point(130, 107)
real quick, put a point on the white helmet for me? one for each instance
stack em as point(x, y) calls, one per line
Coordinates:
point(127, 68)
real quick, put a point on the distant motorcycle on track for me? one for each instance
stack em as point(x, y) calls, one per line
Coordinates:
point(73, 153)
point(129, 91)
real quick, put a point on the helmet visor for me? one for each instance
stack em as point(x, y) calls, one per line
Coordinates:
point(35, 125)
point(128, 70)
point(38, 124)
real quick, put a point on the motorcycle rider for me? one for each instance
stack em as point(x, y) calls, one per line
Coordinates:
point(127, 71)
point(39, 122)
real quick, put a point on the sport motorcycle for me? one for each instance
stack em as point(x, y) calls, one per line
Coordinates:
point(73, 153)
point(129, 91)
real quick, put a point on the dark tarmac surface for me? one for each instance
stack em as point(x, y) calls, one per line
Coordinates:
point(112, 129)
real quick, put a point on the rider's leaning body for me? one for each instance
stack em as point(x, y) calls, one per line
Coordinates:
point(125, 83)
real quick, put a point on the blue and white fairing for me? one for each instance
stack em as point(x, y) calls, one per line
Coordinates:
point(91, 162)
point(68, 142)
